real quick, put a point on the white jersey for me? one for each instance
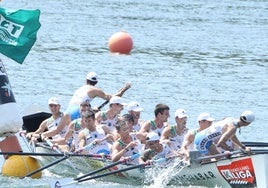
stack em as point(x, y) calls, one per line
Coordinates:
point(154, 128)
point(81, 95)
point(176, 140)
point(53, 123)
point(110, 123)
point(166, 152)
point(73, 142)
point(102, 147)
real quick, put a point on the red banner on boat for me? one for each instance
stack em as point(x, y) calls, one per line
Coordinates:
point(239, 173)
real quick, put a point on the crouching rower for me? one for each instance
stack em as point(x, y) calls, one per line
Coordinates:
point(220, 132)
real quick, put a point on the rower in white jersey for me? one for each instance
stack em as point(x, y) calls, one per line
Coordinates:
point(126, 145)
point(134, 109)
point(70, 140)
point(221, 131)
point(92, 139)
point(161, 113)
point(86, 94)
point(50, 123)
point(173, 135)
point(154, 149)
point(107, 119)
point(204, 121)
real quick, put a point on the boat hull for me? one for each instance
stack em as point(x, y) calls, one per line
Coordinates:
point(242, 170)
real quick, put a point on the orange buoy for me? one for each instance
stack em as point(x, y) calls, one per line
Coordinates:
point(120, 42)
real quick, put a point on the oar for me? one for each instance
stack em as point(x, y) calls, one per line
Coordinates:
point(58, 154)
point(109, 173)
point(256, 144)
point(232, 154)
point(227, 154)
point(109, 166)
point(105, 174)
point(119, 93)
point(45, 167)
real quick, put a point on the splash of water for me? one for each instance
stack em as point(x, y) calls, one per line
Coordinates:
point(161, 175)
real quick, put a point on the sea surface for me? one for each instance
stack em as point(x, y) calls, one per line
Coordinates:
point(203, 56)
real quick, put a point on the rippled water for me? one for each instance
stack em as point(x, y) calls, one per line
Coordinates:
point(197, 55)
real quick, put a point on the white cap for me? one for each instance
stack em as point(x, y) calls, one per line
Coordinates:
point(205, 116)
point(134, 106)
point(92, 76)
point(152, 136)
point(54, 100)
point(180, 113)
point(247, 116)
point(119, 100)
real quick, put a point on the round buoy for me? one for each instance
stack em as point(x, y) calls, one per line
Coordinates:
point(120, 42)
point(19, 166)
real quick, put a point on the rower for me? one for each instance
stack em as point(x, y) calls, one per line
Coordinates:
point(161, 113)
point(154, 149)
point(107, 119)
point(126, 145)
point(221, 131)
point(92, 139)
point(204, 121)
point(85, 93)
point(173, 135)
point(51, 122)
point(135, 110)
point(70, 138)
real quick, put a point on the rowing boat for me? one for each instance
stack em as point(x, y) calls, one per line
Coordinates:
point(235, 170)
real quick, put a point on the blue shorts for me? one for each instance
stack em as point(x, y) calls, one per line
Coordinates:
point(74, 111)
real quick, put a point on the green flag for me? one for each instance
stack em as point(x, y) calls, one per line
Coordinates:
point(18, 29)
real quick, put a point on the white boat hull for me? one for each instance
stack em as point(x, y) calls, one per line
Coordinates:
point(242, 171)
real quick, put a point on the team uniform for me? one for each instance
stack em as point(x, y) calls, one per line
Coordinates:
point(110, 123)
point(79, 96)
point(102, 147)
point(53, 123)
point(175, 139)
point(204, 139)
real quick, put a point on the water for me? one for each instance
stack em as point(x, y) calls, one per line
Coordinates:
point(197, 55)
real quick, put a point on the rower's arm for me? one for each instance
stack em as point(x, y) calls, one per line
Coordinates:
point(165, 136)
point(64, 121)
point(237, 142)
point(228, 134)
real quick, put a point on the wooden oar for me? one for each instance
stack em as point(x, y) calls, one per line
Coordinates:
point(119, 93)
point(45, 167)
point(109, 166)
point(256, 144)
